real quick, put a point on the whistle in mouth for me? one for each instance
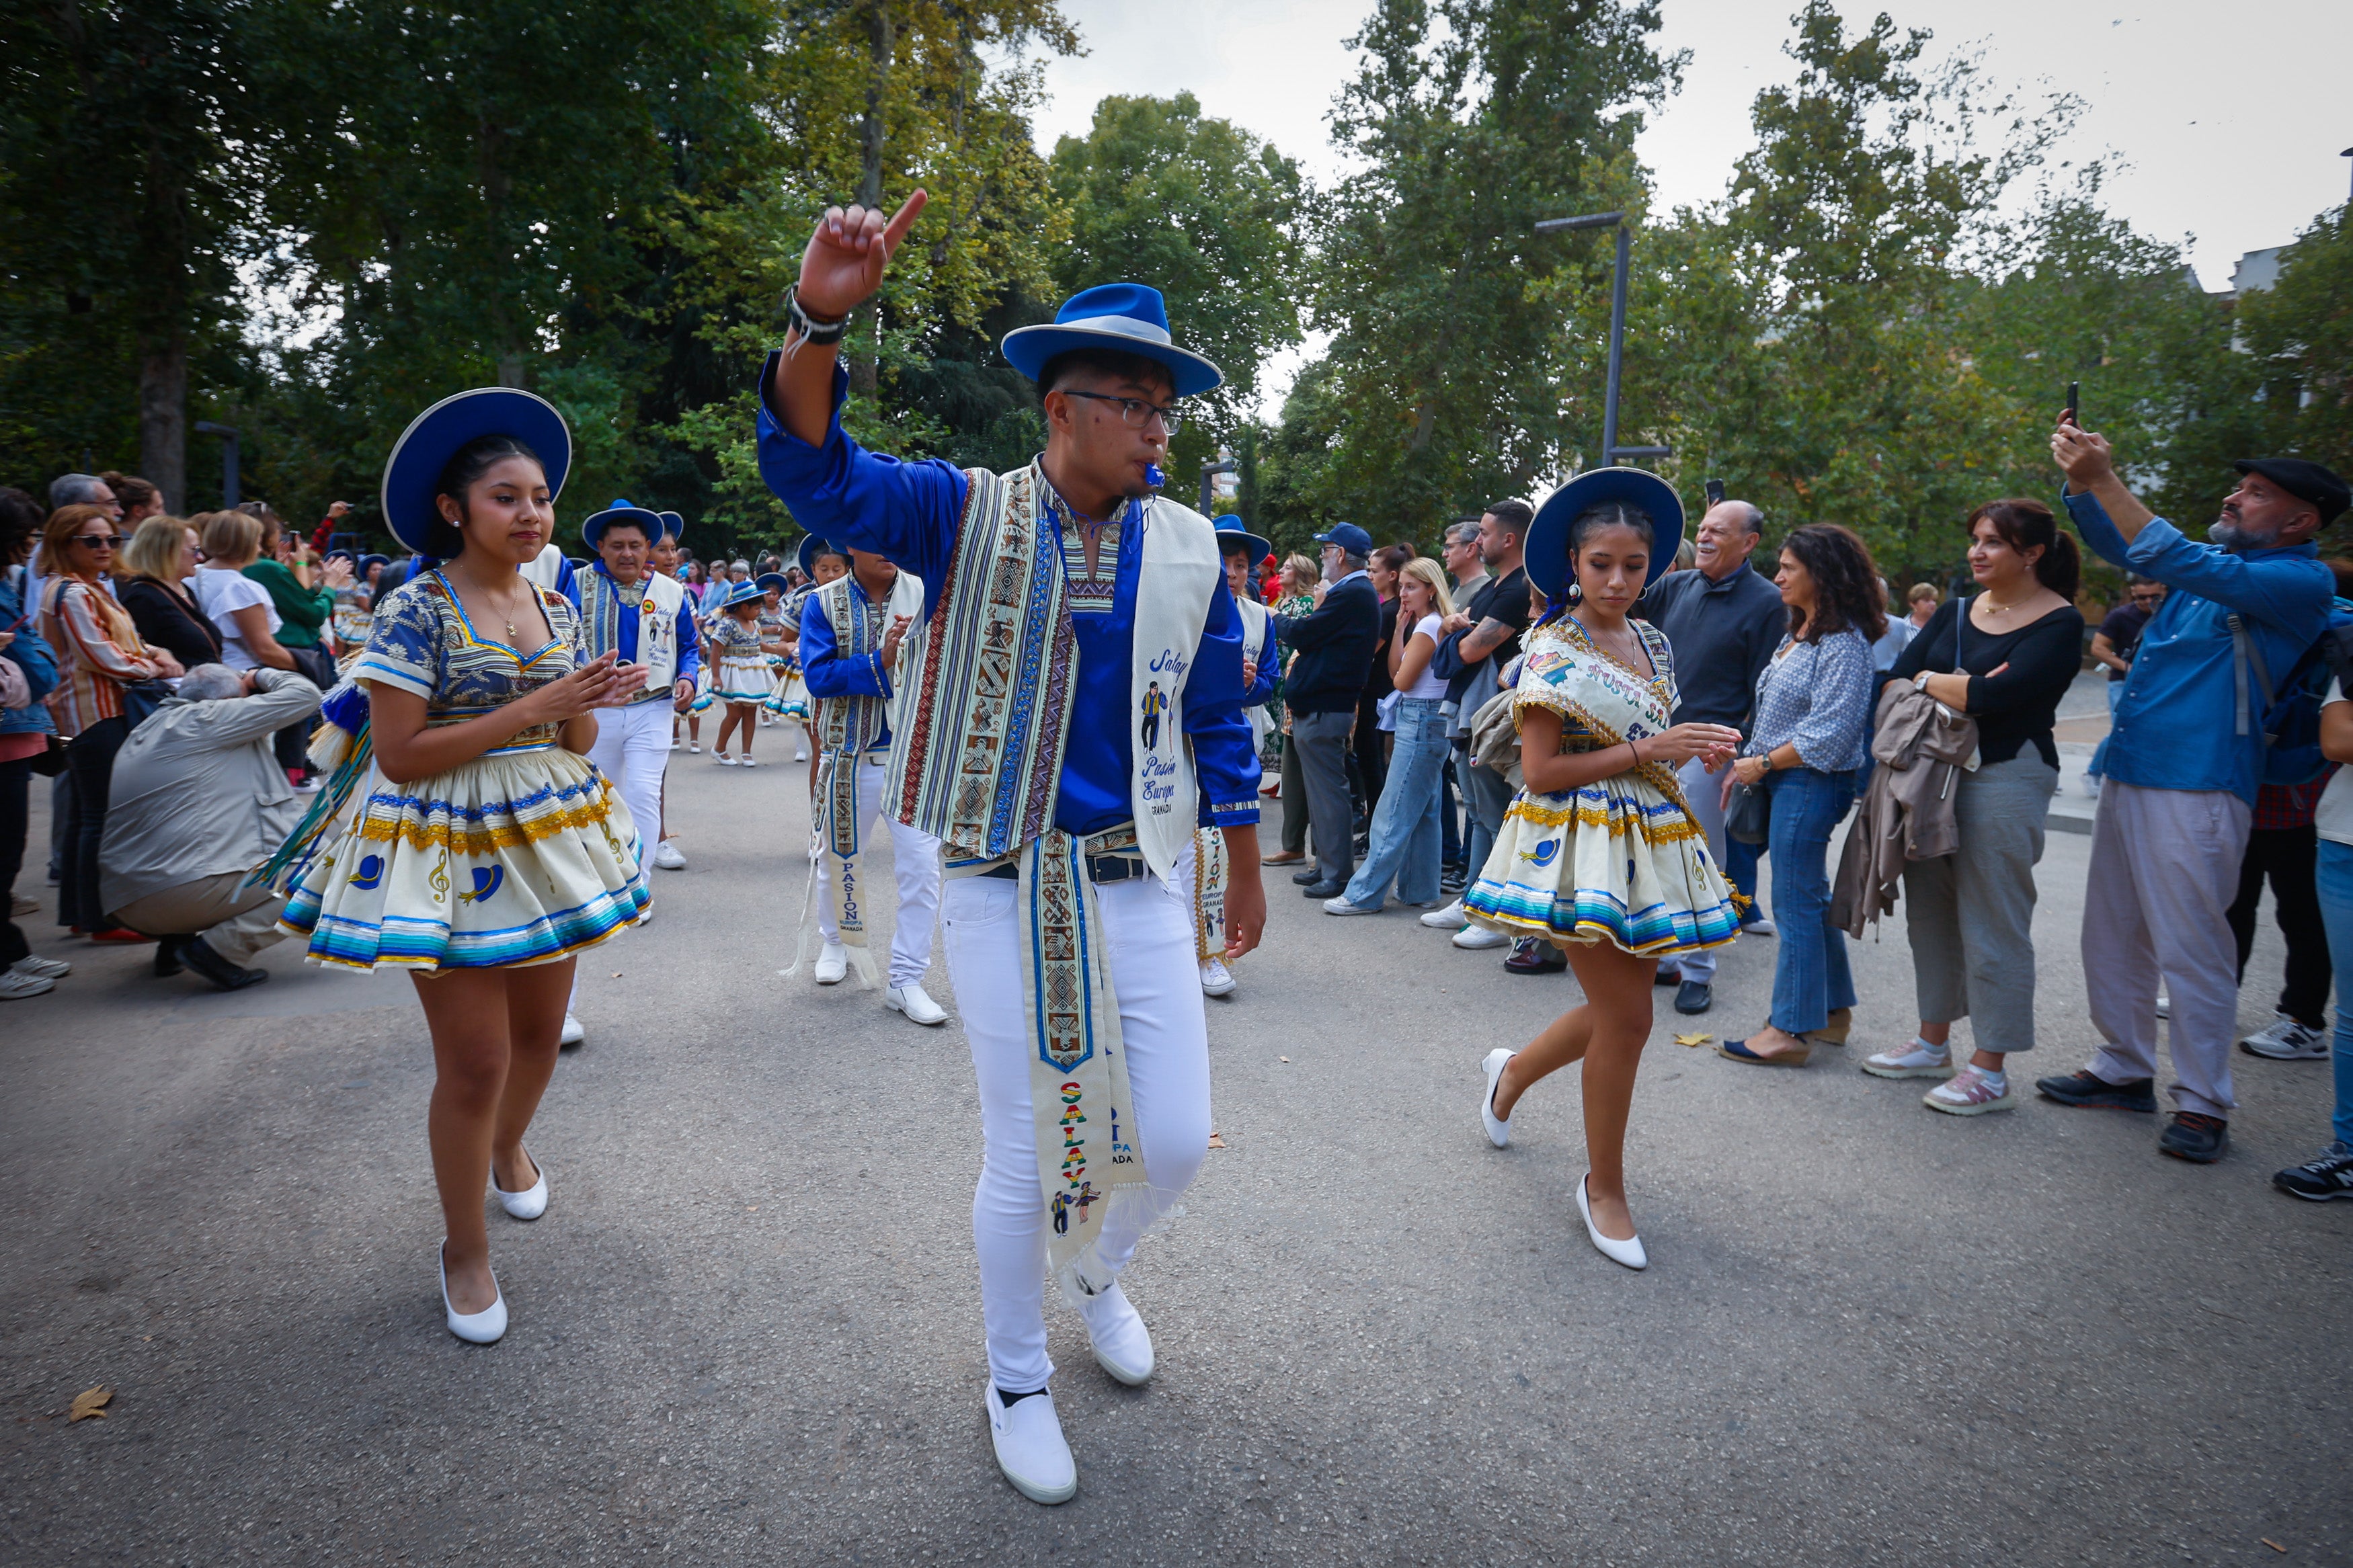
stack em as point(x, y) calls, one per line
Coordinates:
point(1154, 477)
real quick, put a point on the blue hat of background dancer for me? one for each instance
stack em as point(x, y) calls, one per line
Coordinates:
point(674, 525)
point(772, 580)
point(1230, 532)
point(412, 475)
point(592, 532)
point(1127, 317)
point(812, 546)
point(743, 593)
point(1546, 549)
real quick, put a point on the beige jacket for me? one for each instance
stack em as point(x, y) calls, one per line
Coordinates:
point(1921, 747)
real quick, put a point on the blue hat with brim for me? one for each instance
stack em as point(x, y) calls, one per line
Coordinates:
point(766, 580)
point(811, 546)
point(1348, 537)
point(367, 561)
point(412, 475)
point(673, 524)
point(1545, 552)
point(592, 532)
point(1231, 528)
point(1127, 317)
point(743, 593)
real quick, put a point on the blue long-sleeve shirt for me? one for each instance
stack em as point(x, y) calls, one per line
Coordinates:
point(830, 672)
point(2177, 720)
point(912, 512)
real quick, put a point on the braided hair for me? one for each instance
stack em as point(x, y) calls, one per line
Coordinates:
point(1588, 522)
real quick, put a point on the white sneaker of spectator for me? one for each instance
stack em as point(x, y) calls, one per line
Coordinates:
point(1477, 939)
point(1450, 918)
point(2285, 1040)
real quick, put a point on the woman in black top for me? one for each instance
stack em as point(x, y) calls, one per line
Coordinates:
point(149, 583)
point(2005, 657)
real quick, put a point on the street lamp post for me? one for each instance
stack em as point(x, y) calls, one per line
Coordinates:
point(227, 433)
point(1610, 450)
point(1208, 475)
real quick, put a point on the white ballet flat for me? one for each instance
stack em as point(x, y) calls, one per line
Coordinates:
point(529, 1204)
point(1122, 1346)
point(486, 1327)
point(1499, 1132)
point(748, 760)
point(572, 1033)
point(1628, 1252)
point(1027, 1438)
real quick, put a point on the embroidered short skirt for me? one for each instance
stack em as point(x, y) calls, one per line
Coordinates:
point(742, 679)
point(517, 858)
point(791, 698)
point(1615, 861)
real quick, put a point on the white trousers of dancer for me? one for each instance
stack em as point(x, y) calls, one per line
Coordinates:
point(915, 856)
point(632, 749)
point(1148, 932)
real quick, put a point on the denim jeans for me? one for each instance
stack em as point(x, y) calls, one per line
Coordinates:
point(1405, 838)
point(1810, 979)
point(2337, 918)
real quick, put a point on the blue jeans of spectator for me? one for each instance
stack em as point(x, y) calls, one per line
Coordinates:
point(2099, 770)
point(2335, 880)
point(1405, 832)
point(1810, 978)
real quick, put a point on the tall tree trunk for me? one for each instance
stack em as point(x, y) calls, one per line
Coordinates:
point(164, 421)
point(498, 185)
point(865, 366)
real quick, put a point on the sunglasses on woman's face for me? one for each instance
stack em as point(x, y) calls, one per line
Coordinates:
point(95, 540)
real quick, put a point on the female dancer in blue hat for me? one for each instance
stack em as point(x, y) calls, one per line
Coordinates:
point(1599, 852)
point(480, 848)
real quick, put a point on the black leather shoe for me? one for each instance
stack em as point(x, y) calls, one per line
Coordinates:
point(1311, 874)
point(1667, 974)
point(2199, 1139)
point(2086, 1088)
point(1534, 955)
point(1323, 889)
point(167, 955)
point(1694, 996)
point(225, 975)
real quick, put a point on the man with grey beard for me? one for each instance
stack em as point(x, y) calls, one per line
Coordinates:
point(2185, 759)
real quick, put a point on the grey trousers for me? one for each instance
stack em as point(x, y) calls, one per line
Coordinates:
point(1489, 796)
point(1323, 742)
point(1971, 914)
point(2165, 868)
point(235, 922)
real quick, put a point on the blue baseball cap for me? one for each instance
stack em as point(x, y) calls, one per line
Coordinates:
point(1348, 537)
point(1545, 550)
point(1128, 317)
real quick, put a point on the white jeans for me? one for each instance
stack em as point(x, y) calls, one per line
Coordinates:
point(632, 750)
point(915, 856)
point(1148, 935)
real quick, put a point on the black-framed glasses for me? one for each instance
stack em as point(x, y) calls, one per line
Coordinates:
point(1135, 412)
point(94, 540)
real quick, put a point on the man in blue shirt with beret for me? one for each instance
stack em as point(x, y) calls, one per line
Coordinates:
point(2185, 758)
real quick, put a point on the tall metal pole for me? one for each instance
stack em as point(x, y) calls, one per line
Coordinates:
point(1617, 344)
point(227, 433)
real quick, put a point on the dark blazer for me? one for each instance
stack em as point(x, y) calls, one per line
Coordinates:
point(169, 618)
point(1335, 648)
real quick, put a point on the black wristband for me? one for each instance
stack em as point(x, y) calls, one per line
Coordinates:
point(811, 330)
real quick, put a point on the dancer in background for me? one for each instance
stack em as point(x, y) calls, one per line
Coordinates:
point(640, 616)
point(739, 669)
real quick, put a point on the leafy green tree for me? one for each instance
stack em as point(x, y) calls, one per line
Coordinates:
point(2299, 335)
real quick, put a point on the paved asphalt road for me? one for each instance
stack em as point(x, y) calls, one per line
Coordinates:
point(748, 1328)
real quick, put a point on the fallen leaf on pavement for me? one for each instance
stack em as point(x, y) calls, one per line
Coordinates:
point(1693, 1039)
point(1216, 1141)
point(2267, 1541)
point(90, 1405)
point(1282, 1059)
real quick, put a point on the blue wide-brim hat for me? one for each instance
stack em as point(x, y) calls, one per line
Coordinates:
point(673, 524)
point(776, 580)
point(412, 475)
point(1545, 552)
point(743, 593)
point(811, 544)
point(1127, 317)
point(592, 532)
point(1229, 529)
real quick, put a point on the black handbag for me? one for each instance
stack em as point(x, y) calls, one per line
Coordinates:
point(141, 697)
point(1748, 816)
point(49, 764)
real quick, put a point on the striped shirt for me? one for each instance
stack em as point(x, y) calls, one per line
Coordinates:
point(97, 649)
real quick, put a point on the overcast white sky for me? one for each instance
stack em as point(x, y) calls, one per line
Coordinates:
point(2231, 116)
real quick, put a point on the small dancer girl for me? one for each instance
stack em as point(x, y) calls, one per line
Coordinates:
point(1598, 853)
point(485, 850)
point(739, 675)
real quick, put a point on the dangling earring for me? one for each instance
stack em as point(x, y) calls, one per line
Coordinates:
point(1576, 591)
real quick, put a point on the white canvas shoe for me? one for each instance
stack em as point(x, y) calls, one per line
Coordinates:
point(1477, 939)
point(1027, 1438)
point(1216, 980)
point(668, 855)
point(1121, 1343)
point(1449, 918)
point(572, 1033)
point(832, 964)
point(916, 1002)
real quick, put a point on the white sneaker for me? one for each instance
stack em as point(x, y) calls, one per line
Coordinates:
point(800, 754)
point(1121, 1343)
point(2285, 1040)
point(1341, 906)
point(45, 968)
point(572, 1033)
point(15, 985)
point(1919, 1060)
point(832, 964)
point(668, 855)
point(2164, 1003)
point(1027, 1438)
point(1447, 919)
point(1499, 1132)
point(1477, 939)
point(916, 1003)
point(1758, 925)
point(1216, 980)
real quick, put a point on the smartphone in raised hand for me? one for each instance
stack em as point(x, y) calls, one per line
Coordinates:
point(2073, 389)
point(1716, 492)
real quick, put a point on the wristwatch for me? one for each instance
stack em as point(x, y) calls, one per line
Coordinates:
point(810, 329)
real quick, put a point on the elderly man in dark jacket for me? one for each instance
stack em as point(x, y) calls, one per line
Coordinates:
point(1336, 645)
point(198, 802)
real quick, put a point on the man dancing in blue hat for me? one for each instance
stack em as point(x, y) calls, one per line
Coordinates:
point(1065, 788)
